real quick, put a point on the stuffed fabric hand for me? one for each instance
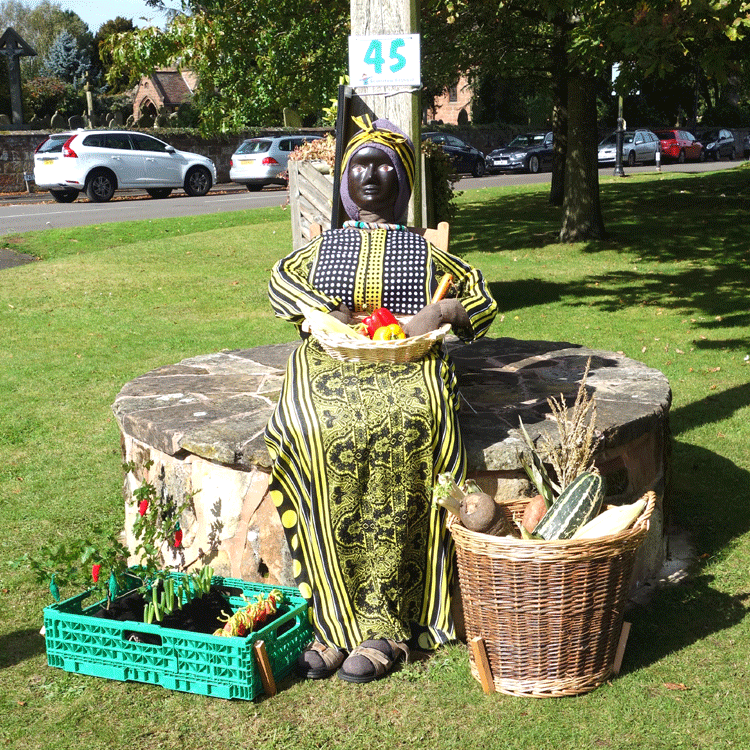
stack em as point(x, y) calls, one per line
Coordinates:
point(343, 313)
point(434, 315)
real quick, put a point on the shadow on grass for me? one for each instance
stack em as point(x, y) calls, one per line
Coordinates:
point(695, 225)
point(701, 218)
point(678, 616)
point(19, 646)
point(710, 489)
point(720, 294)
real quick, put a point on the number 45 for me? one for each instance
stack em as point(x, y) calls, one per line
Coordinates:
point(374, 55)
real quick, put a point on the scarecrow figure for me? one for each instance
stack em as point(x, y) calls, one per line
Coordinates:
point(356, 446)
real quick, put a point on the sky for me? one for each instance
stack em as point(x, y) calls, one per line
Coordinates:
point(96, 12)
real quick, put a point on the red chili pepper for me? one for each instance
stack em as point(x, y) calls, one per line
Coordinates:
point(95, 572)
point(178, 538)
point(379, 318)
point(143, 507)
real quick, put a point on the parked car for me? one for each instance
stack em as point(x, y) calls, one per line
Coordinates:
point(717, 142)
point(638, 147)
point(746, 146)
point(258, 162)
point(102, 161)
point(679, 146)
point(530, 152)
point(466, 158)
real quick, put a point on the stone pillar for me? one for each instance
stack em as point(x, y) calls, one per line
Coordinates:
point(13, 47)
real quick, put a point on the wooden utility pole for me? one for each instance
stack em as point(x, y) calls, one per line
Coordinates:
point(399, 104)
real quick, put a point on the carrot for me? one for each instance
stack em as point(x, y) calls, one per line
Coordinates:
point(443, 288)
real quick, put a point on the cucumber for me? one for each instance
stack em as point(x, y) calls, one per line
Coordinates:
point(577, 504)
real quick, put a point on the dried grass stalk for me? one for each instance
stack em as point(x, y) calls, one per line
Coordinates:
point(578, 435)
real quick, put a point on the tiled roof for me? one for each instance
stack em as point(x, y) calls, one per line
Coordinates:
point(172, 87)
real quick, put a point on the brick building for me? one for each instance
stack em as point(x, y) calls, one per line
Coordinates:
point(448, 107)
point(164, 88)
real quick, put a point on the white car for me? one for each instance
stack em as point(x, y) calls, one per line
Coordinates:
point(263, 161)
point(102, 161)
point(638, 147)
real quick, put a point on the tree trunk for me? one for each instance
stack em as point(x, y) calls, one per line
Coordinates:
point(560, 147)
point(582, 214)
point(559, 112)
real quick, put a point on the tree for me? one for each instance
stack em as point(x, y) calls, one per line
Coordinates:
point(42, 97)
point(66, 61)
point(40, 26)
point(102, 59)
point(252, 59)
point(571, 46)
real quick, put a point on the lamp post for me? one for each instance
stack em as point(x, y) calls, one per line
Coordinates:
point(619, 171)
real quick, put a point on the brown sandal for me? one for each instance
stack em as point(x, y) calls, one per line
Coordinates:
point(319, 661)
point(372, 660)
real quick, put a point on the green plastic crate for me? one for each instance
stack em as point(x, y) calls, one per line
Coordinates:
point(191, 662)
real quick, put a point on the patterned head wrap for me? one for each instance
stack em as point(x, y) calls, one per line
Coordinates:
point(385, 136)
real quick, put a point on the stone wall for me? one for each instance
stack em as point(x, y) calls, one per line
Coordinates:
point(17, 152)
point(17, 158)
point(195, 429)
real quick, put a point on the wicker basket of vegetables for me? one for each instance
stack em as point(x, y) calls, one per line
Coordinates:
point(544, 580)
point(549, 613)
point(350, 343)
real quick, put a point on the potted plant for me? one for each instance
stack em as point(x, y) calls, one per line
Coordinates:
point(185, 630)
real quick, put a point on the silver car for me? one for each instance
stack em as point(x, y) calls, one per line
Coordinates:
point(263, 161)
point(638, 147)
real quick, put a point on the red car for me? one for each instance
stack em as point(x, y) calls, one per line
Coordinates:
point(679, 146)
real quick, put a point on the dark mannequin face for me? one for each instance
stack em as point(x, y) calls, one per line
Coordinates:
point(373, 184)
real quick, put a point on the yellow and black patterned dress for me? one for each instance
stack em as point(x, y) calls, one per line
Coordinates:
point(356, 446)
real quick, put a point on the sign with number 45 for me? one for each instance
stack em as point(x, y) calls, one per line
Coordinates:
point(384, 60)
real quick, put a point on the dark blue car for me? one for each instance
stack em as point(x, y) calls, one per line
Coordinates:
point(466, 159)
point(530, 152)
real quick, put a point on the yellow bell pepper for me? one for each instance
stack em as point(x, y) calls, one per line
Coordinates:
point(389, 333)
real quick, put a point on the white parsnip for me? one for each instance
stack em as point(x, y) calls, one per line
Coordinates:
point(611, 521)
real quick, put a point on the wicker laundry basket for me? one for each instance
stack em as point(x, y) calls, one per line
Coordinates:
point(550, 613)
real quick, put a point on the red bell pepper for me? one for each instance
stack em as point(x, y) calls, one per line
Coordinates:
point(379, 318)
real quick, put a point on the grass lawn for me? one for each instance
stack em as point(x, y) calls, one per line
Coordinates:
point(668, 287)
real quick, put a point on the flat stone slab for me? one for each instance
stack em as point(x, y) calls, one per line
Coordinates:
point(216, 406)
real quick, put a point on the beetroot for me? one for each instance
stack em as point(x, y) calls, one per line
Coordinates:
point(480, 513)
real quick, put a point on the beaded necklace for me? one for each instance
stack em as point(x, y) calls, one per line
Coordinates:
point(351, 224)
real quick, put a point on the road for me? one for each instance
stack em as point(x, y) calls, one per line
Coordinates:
point(469, 183)
point(23, 213)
